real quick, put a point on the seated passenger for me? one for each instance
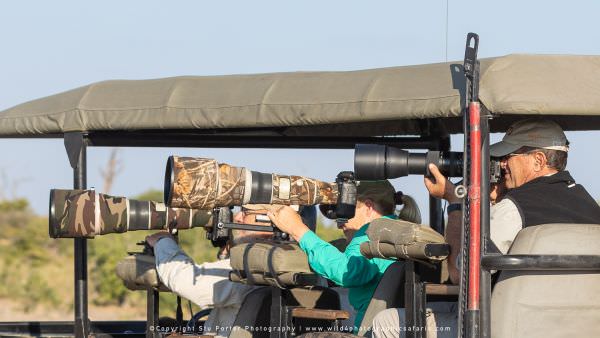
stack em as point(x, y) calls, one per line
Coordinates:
point(348, 269)
point(208, 284)
point(539, 190)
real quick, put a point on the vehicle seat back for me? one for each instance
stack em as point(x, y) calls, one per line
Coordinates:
point(388, 294)
point(254, 313)
point(549, 303)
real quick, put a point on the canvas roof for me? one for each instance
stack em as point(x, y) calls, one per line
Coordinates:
point(387, 101)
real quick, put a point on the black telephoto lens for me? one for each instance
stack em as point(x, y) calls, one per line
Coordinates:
point(378, 162)
point(370, 161)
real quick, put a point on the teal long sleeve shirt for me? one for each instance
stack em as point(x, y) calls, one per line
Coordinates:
point(348, 269)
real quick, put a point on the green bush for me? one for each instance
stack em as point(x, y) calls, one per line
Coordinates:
point(26, 250)
point(150, 195)
point(36, 291)
point(19, 204)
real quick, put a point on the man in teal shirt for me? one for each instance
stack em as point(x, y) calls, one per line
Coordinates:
point(349, 269)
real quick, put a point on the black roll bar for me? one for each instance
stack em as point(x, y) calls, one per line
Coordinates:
point(198, 140)
point(76, 147)
point(541, 262)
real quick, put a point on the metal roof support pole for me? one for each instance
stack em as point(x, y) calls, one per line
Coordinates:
point(76, 147)
point(436, 220)
point(471, 65)
point(436, 217)
point(413, 301)
point(436, 212)
point(485, 281)
point(152, 315)
point(469, 307)
point(278, 313)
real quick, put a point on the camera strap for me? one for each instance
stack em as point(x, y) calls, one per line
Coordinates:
point(271, 267)
point(246, 260)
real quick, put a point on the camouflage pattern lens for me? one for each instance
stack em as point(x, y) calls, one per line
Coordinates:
point(202, 183)
point(191, 182)
point(85, 214)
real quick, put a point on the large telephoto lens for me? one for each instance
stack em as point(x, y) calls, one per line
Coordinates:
point(378, 162)
point(86, 213)
point(202, 183)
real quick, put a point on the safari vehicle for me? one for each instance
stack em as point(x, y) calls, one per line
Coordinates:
point(551, 284)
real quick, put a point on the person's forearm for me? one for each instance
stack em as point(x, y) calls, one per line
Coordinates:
point(178, 273)
point(165, 249)
point(205, 285)
point(171, 262)
point(453, 238)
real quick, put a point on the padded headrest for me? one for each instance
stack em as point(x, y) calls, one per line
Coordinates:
point(281, 264)
point(558, 239)
point(392, 238)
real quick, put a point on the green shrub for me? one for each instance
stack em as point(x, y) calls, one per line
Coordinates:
point(37, 291)
point(19, 204)
point(150, 195)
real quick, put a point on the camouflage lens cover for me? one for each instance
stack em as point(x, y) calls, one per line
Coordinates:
point(85, 213)
point(64, 215)
point(186, 218)
point(201, 183)
point(231, 187)
point(195, 183)
point(299, 190)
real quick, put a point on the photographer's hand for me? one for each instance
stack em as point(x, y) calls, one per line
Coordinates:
point(440, 186)
point(288, 221)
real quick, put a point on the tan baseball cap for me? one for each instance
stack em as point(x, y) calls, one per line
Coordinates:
point(537, 133)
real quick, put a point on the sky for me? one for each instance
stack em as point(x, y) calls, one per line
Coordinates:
point(53, 46)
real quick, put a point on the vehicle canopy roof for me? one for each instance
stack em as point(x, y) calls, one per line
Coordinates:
point(359, 103)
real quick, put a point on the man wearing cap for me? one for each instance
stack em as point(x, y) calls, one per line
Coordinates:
point(349, 269)
point(539, 190)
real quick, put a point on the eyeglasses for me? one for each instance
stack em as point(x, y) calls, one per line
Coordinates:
point(515, 154)
point(506, 157)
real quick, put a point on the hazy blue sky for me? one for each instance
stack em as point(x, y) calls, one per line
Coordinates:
point(53, 46)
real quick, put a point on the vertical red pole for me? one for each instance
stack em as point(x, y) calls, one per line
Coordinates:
point(474, 206)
